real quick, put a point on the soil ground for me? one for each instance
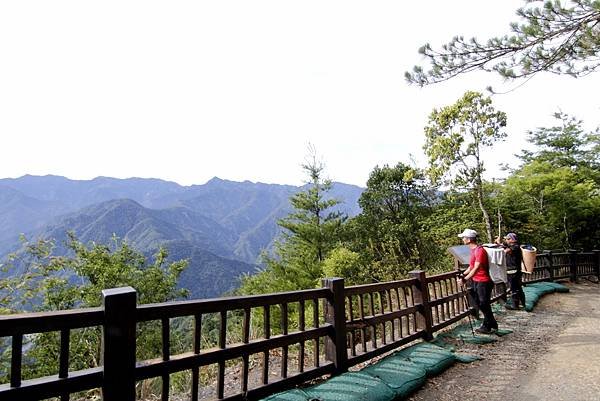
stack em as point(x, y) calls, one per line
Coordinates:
point(553, 354)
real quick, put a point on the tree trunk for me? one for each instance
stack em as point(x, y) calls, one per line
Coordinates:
point(486, 216)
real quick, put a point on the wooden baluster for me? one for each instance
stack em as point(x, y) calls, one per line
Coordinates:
point(221, 363)
point(382, 309)
point(63, 363)
point(407, 298)
point(373, 326)
point(363, 330)
point(301, 327)
point(245, 358)
point(197, 347)
point(267, 330)
point(165, 357)
point(442, 306)
point(284, 330)
point(353, 331)
point(317, 340)
point(16, 360)
point(437, 289)
point(397, 291)
point(388, 296)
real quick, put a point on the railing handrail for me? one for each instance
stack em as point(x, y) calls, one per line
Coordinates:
point(185, 308)
point(39, 322)
point(427, 304)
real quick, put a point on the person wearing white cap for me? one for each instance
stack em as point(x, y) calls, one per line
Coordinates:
point(479, 274)
point(514, 257)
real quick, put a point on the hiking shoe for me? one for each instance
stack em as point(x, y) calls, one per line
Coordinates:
point(483, 330)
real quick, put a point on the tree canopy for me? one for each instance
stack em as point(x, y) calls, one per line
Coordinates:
point(390, 232)
point(311, 231)
point(456, 136)
point(549, 36)
point(50, 282)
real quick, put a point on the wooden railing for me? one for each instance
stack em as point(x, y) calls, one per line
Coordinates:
point(552, 266)
point(280, 339)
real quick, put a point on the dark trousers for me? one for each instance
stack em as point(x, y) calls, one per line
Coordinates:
point(481, 292)
point(516, 289)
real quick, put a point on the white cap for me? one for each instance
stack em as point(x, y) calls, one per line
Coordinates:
point(468, 233)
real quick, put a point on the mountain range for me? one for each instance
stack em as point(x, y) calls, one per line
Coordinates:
point(221, 227)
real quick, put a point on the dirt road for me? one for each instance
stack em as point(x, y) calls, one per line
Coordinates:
point(553, 354)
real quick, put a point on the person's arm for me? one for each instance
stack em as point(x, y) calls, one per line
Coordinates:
point(511, 249)
point(461, 276)
point(470, 272)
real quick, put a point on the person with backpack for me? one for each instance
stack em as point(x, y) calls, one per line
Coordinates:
point(481, 282)
point(514, 257)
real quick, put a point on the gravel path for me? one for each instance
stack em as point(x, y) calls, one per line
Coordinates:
point(553, 353)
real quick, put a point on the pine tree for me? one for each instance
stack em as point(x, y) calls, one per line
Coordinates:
point(561, 39)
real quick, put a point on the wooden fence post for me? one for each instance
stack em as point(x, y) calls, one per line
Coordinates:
point(118, 344)
point(421, 296)
point(597, 262)
point(335, 314)
point(572, 265)
point(550, 266)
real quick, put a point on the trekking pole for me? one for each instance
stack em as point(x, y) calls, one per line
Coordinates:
point(466, 302)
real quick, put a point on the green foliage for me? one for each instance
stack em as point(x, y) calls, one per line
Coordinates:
point(312, 232)
point(455, 138)
point(390, 234)
point(345, 263)
point(454, 211)
point(565, 145)
point(555, 37)
point(76, 281)
point(554, 197)
point(312, 224)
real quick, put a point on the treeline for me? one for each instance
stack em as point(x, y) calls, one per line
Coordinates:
point(411, 215)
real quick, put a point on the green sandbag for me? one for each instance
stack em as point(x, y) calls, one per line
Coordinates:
point(402, 376)
point(465, 334)
point(290, 395)
point(440, 341)
point(502, 332)
point(467, 358)
point(477, 338)
point(430, 357)
point(533, 292)
point(558, 287)
point(351, 386)
point(532, 295)
point(544, 287)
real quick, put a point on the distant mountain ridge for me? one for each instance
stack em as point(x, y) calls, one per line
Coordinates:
point(221, 226)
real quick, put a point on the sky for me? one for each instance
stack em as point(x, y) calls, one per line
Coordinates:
point(189, 90)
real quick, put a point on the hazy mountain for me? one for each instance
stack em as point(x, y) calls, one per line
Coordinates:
point(20, 213)
point(221, 226)
point(75, 194)
point(143, 228)
point(186, 235)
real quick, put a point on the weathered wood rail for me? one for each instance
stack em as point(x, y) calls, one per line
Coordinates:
point(331, 329)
